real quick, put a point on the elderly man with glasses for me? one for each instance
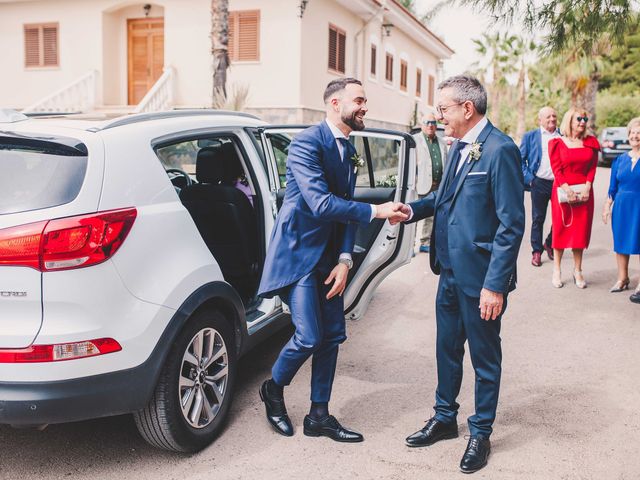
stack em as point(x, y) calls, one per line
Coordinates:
point(431, 153)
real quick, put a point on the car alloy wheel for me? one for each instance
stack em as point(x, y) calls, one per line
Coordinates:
point(203, 377)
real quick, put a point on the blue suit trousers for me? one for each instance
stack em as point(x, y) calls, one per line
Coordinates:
point(458, 320)
point(319, 330)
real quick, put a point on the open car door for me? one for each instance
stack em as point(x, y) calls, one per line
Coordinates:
point(388, 175)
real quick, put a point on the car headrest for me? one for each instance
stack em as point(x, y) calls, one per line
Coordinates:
point(210, 165)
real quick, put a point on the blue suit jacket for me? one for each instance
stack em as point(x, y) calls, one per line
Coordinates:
point(486, 219)
point(531, 152)
point(317, 212)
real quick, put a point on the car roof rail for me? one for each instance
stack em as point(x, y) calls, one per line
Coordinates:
point(146, 117)
point(8, 115)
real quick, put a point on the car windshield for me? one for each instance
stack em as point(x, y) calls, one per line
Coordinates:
point(39, 174)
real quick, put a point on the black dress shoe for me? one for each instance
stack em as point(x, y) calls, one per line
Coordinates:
point(635, 298)
point(276, 412)
point(330, 427)
point(476, 455)
point(433, 431)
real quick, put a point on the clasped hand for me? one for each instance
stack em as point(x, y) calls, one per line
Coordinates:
point(395, 212)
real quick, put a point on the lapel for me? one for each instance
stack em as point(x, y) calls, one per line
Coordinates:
point(446, 173)
point(335, 165)
point(466, 167)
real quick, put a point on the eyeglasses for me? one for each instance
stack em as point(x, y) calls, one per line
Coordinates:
point(430, 122)
point(582, 119)
point(442, 110)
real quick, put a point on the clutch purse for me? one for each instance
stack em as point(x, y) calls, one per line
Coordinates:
point(562, 195)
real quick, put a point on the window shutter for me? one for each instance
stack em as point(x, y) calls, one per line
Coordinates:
point(233, 29)
point(244, 36)
point(403, 75)
point(333, 49)
point(248, 35)
point(431, 90)
point(341, 51)
point(388, 74)
point(32, 46)
point(373, 59)
point(418, 82)
point(50, 45)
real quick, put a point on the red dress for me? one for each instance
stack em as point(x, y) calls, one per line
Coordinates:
point(571, 223)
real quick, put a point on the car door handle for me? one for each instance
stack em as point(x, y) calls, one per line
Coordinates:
point(389, 237)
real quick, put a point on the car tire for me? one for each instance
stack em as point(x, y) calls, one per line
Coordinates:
point(186, 412)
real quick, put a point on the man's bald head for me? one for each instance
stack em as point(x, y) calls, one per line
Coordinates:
point(548, 119)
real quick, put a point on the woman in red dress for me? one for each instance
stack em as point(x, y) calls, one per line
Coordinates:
point(574, 158)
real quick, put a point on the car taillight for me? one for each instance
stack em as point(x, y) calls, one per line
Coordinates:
point(59, 352)
point(66, 243)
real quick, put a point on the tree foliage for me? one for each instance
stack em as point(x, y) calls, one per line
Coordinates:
point(567, 22)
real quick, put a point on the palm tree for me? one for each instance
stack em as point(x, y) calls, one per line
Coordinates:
point(219, 46)
point(495, 50)
point(519, 50)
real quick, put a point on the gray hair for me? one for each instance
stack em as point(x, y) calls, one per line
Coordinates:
point(467, 89)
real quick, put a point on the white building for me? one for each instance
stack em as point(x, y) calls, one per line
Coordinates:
point(107, 55)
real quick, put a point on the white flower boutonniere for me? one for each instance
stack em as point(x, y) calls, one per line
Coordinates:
point(357, 161)
point(476, 151)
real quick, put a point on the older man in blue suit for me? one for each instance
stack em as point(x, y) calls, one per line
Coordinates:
point(538, 177)
point(309, 256)
point(478, 226)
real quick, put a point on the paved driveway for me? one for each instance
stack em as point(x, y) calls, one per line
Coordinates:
point(568, 406)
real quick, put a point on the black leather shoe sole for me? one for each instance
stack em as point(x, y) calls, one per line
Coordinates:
point(315, 433)
point(447, 436)
point(475, 469)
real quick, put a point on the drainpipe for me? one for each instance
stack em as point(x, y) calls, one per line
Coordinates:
point(359, 32)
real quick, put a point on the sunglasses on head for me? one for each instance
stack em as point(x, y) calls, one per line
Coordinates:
point(582, 119)
point(429, 122)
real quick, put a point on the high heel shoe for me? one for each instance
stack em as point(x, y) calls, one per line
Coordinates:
point(579, 283)
point(556, 279)
point(620, 286)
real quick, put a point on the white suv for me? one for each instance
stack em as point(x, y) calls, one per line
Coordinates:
point(130, 254)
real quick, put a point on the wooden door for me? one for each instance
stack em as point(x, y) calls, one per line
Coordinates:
point(145, 40)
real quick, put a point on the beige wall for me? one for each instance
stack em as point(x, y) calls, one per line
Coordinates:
point(80, 48)
point(284, 85)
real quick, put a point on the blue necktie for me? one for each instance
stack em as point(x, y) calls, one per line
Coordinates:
point(455, 159)
point(346, 147)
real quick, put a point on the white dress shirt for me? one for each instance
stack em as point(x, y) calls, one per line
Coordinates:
point(544, 170)
point(470, 137)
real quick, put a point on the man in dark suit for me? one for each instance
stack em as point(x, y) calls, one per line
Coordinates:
point(538, 177)
point(309, 256)
point(478, 226)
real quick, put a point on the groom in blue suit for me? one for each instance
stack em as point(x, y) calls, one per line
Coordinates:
point(309, 256)
point(478, 226)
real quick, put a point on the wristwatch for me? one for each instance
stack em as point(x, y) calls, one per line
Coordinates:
point(346, 261)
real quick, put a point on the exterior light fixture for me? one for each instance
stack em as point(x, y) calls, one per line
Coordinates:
point(146, 8)
point(386, 29)
point(302, 7)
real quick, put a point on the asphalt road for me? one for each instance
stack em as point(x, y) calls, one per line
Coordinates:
point(568, 406)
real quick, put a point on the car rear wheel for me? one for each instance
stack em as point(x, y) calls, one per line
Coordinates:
point(195, 388)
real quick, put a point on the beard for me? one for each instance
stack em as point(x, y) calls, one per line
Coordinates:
point(353, 121)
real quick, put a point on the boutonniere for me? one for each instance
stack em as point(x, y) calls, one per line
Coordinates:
point(476, 151)
point(357, 161)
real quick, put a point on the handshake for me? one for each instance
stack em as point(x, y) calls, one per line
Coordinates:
point(395, 212)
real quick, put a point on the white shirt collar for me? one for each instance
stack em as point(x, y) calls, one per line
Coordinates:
point(337, 133)
point(473, 134)
point(544, 131)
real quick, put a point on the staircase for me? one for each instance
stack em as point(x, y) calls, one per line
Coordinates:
point(80, 97)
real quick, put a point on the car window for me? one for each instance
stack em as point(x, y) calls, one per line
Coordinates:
point(186, 154)
point(39, 174)
point(382, 156)
point(615, 133)
point(280, 143)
